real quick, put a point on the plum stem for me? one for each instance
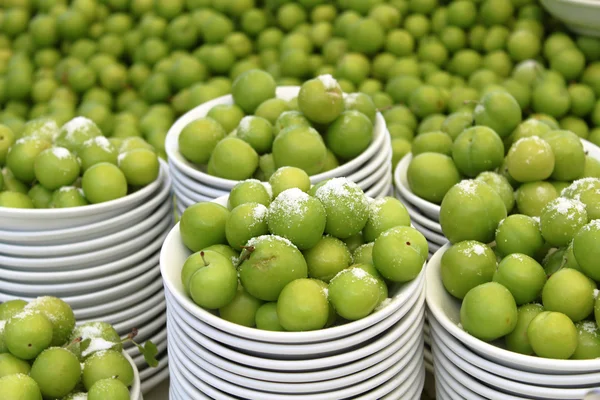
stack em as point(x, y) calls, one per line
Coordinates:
point(470, 102)
point(246, 251)
point(206, 264)
point(73, 342)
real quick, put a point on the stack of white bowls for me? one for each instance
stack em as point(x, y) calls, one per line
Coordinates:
point(424, 215)
point(468, 368)
point(371, 170)
point(378, 357)
point(102, 259)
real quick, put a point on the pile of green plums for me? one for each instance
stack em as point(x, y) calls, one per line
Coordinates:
point(291, 257)
point(259, 132)
point(536, 284)
point(43, 354)
point(49, 166)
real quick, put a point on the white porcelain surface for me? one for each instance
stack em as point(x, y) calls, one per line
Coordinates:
point(431, 210)
point(581, 16)
point(430, 235)
point(417, 216)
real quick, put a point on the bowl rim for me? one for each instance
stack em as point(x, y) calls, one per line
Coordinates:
point(135, 390)
point(90, 209)
point(267, 336)
point(185, 167)
point(527, 363)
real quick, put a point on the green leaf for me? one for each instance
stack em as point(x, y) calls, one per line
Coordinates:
point(149, 350)
point(84, 344)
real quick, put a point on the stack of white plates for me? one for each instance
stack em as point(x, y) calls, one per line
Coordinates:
point(468, 368)
point(371, 170)
point(424, 215)
point(378, 357)
point(102, 259)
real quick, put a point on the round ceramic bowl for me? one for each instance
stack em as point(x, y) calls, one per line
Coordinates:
point(446, 311)
point(24, 220)
point(406, 315)
point(94, 230)
point(431, 210)
point(581, 16)
point(135, 391)
point(286, 93)
point(174, 254)
point(417, 216)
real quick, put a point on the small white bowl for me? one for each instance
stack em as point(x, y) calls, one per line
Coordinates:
point(444, 339)
point(382, 343)
point(135, 390)
point(188, 391)
point(139, 359)
point(15, 219)
point(403, 355)
point(100, 243)
point(173, 256)
point(182, 200)
point(446, 310)
point(92, 231)
point(430, 235)
point(505, 385)
point(452, 387)
point(379, 174)
point(428, 208)
point(383, 153)
point(179, 189)
point(90, 259)
point(195, 186)
point(198, 377)
point(581, 16)
point(382, 188)
point(405, 315)
point(284, 92)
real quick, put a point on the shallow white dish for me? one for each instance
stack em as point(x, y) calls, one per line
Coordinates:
point(195, 186)
point(378, 175)
point(90, 259)
point(13, 219)
point(190, 392)
point(505, 385)
point(403, 355)
point(417, 216)
point(581, 16)
point(197, 374)
point(407, 314)
point(298, 365)
point(381, 188)
point(98, 229)
point(383, 154)
point(111, 240)
point(130, 312)
point(174, 254)
point(431, 210)
point(288, 377)
point(430, 235)
point(193, 194)
point(286, 93)
point(446, 311)
point(154, 380)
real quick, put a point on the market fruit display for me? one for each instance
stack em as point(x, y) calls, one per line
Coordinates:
point(71, 166)
point(306, 259)
point(533, 282)
point(316, 131)
point(44, 355)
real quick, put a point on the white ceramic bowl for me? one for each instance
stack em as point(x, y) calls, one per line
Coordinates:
point(377, 176)
point(173, 256)
point(396, 333)
point(407, 314)
point(91, 259)
point(505, 385)
point(430, 235)
point(417, 216)
point(444, 339)
point(285, 92)
point(109, 241)
point(152, 300)
point(431, 210)
point(195, 186)
point(13, 219)
point(92, 231)
point(364, 171)
point(446, 310)
point(179, 190)
point(135, 389)
point(581, 16)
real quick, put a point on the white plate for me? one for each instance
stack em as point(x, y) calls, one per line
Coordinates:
point(87, 246)
point(408, 313)
point(87, 273)
point(143, 318)
point(91, 259)
point(481, 390)
point(377, 175)
point(298, 365)
point(194, 194)
point(575, 380)
point(157, 334)
point(402, 356)
point(77, 288)
point(416, 216)
point(430, 235)
point(446, 310)
point(130, 312)
point(91, 231)
point(174, 254)
point(190, 392)
point(183, 200)
point(509, 386)
point(381, 188)
point(24, 220)
point(431, 210)
point(285, 92)
point(198, 377)
point(117, 305)
point(195, 186)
